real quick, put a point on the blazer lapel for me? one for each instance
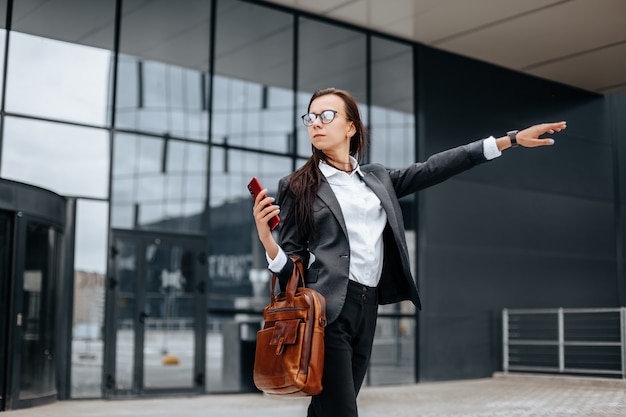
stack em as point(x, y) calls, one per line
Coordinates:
point(325, 193)
point(383, 195)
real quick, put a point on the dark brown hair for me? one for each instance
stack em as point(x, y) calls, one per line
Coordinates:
point(305, 182)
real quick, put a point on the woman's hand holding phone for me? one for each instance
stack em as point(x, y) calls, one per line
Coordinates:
point(265, 212)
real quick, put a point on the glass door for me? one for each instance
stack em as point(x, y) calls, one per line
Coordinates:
point(32, 373)
point(6, 240)
point(157, 316)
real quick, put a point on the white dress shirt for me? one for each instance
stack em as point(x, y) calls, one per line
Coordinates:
point(365, 220)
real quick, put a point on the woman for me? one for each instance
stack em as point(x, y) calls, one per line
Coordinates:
point(344, 221)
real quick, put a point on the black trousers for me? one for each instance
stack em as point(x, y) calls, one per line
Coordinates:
point(348, 341)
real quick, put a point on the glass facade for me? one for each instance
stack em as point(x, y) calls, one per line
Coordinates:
point(156, 139)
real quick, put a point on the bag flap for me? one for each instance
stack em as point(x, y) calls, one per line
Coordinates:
point(285, 332)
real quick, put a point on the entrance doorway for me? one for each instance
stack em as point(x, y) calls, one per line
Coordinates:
point(32, 244)
point(6, 235)
point(28, 310)
point(156, 321)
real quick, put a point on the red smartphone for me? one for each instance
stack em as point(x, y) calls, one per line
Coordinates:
point(255, 188)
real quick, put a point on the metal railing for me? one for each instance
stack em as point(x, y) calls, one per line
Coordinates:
point(574, 341)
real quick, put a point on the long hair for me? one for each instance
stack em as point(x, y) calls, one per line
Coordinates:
point(305, 182)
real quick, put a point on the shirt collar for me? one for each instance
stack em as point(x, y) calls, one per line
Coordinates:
point(329, 170)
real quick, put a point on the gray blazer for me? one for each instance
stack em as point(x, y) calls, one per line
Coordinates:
point(328, 274)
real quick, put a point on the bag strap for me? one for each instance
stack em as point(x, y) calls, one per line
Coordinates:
point(296, 278)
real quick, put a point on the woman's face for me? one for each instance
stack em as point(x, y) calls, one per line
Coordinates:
point(331, 138)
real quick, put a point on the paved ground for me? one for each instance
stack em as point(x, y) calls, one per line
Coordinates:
point(500, 396)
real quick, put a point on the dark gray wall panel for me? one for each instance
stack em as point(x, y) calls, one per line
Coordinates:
point(535, 228)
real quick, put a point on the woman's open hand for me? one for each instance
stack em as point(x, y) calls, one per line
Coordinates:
point(530, 137)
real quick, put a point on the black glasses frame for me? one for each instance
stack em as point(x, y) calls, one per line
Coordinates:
point(309, 118)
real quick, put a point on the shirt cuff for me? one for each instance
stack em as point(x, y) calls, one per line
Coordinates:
point(490, 148)
point(276, 265)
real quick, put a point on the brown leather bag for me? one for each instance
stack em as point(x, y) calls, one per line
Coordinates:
point(289, 357)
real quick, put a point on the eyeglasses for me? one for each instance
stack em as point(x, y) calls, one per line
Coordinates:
point(326, 117)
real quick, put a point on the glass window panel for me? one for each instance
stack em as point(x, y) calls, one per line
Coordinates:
point(220, 93)
point(175, 156)
point(303, 141)
point(253, 81)
point(392, 139)
point(123, 215)
point(237, 268)
point(168, 332)
point(195, 188)
point(173, 208)
point(156, 182)
point(393, 353)
point(196, 158)
point(150, 155)
point(91, 236)
point(150, 189)
point(123, 190)
point(254, 43)
point(334, 57)
point(80, 156)
point(178, 122)
point(3, 13)
point(125, 154)
point(63, 57)
point(125, 119)
point(174, 186)
point(154, 77)
point(392, 143)
point(88, 311)
point(193, 96)
point(127, 99)
point(196, 125)
point(164, 58)
point(150, 120)
point(192, 208)
point(3, 34)
point(150, 214)
point(70, 81)
point(125, 310)
point(233, 184)
point(219, 122)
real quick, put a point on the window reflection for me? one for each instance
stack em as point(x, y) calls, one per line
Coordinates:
point(392, 137)
point(88, 310)
point(392, 143)
point(231, 170)
point(158, 184)
point(236, 251)
point(69, 80)
point(66, 159)
point(252, 95)
point(91, 236)
point(331, 56)
point(238, 278)
point(158, 97)
point(163, 66)
point(392, 126)
point(3, 35)
point(250, 115)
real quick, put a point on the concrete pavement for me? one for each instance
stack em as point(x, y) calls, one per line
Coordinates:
point(502, 395)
